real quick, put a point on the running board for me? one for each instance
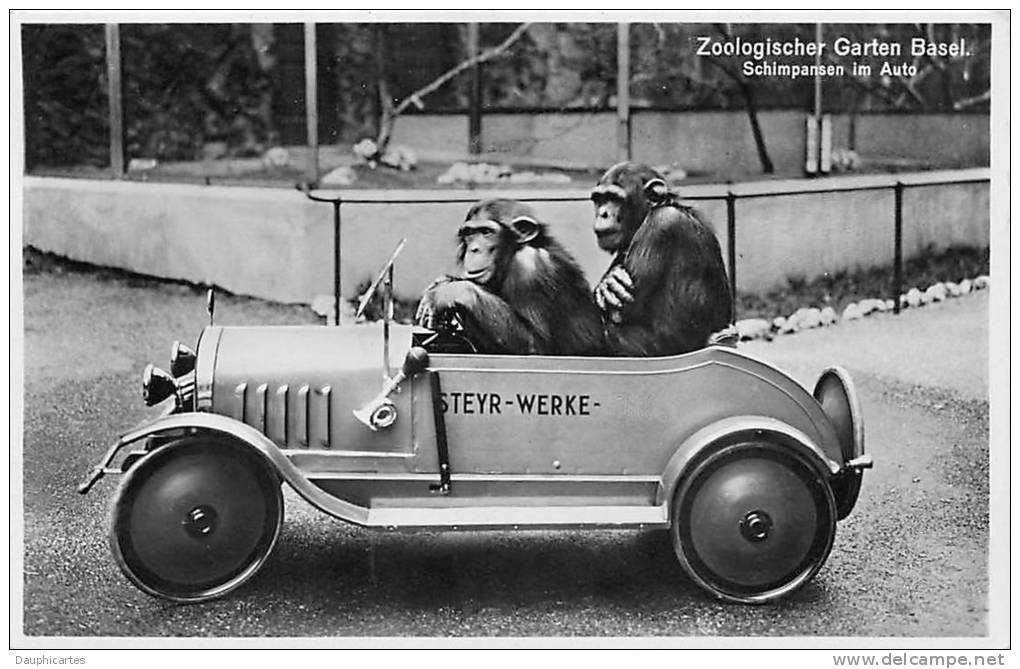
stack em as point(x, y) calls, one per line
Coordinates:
point(519, 517)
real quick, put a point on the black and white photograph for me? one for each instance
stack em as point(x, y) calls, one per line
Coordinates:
point(503, 330)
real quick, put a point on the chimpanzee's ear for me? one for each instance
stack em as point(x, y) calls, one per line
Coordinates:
point(526, 228)
point(656, 190)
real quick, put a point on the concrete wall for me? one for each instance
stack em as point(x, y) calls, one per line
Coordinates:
point(705, 141)
point(274, 243)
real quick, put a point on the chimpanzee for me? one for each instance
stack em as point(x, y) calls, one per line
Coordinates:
point(666, 290)
point(518, 290)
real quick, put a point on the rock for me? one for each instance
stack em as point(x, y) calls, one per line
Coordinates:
point(926, 298)
point(459, 171)
point(276, 157)
point(142, 164)
point(323, 306)
point(341, 176)
point(889, 305)
point(789, 326)
point(913, 297)
point(867, 306)
point(523, 177)
point(809, 317)
point(965, 286)
point(952, 289)
point(752, 328)
point(399, 157)
point(981, 282)
point(778, 322)
point(937, 292)
point(851, 312)
point(366, 150)
point(828, 316)
point(556, 178)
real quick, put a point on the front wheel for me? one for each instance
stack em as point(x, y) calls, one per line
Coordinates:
point(195, 519)
point(753, 522)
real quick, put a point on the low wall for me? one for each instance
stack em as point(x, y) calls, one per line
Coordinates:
point(705, 141)
point(276, 244)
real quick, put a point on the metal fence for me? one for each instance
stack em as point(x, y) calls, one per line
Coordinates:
point(732, 193)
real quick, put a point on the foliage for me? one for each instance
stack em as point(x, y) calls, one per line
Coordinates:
point(65, 99)
point(183, 86)
point(189, 86)
point(839, 289)
point(941, 83)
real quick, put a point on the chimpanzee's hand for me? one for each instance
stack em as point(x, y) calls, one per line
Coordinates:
point(443, 297)
point(614, 292)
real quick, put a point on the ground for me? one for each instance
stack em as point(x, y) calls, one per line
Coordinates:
point(912, 561)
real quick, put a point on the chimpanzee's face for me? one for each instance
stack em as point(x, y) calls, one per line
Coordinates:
point(480, 242)
point(608, 221)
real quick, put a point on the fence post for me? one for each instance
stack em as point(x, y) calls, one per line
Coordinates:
point(731, 248)
point(623, 147)
point(312, 103)
point(114, 89)
point(336, 260)
point(898, 247)
point(475, 95)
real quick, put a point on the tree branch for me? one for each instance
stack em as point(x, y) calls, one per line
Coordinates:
point(974, 101)
point(415, 98)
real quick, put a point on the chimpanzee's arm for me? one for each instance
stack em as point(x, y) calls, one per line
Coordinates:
point(656, 322)
point(489, 321)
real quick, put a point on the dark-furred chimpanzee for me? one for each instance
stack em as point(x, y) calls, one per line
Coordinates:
point(518, 290)
point(666, 290)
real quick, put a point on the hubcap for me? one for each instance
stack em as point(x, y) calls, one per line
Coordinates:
point(755, 526)
point(200, 521)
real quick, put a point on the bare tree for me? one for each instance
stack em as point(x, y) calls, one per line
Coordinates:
point(390, 109)
point(747, 91)
point(667, 36)
point(926, 82)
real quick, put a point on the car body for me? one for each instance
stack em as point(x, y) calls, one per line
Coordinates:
point(747, 469)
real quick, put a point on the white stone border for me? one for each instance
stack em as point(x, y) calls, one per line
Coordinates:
point(807, 318)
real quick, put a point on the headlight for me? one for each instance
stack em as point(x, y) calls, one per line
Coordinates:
point(157, 385)
point(182, 359)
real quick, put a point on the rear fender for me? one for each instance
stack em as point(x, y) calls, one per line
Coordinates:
point(734, 429)
point(258, 443)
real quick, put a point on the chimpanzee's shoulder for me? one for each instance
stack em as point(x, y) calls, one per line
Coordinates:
point(673, 218)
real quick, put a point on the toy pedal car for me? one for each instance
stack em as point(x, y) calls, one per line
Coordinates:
point(747, 470)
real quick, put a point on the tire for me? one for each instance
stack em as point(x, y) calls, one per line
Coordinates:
point(195, 519)
point(753, 522)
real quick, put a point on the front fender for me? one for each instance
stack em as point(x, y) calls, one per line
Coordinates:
point(727, 431)
point(249, 437)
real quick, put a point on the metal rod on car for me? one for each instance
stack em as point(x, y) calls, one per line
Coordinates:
point(731, 248)
point(444, 487)
point(387, 317)
point(898, 247)
point(336, 260)
point(370, 293)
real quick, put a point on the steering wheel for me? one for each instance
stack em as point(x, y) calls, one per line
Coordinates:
point(449, 335)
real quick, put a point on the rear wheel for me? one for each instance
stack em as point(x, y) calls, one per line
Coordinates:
point(195, 519)
point(753, 522)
